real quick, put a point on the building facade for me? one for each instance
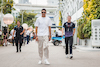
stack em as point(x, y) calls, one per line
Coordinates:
point(70, 7)
point(52, 2)
point(24, 2)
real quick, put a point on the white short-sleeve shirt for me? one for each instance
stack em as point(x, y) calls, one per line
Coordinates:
point(28, 32)
point(43, 24)
point(59, 33)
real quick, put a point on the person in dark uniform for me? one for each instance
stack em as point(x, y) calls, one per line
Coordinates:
point(18, 39)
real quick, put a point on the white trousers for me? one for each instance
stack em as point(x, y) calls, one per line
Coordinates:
point(43, 46)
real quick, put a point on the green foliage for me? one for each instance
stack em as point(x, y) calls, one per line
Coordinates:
point(87, 30)
point(91, 11)
point(84, 29)
point(28, 18)
point(80, 21)
point(80, 33)
point(98, 12)
point(12, 26)
point(7, 6)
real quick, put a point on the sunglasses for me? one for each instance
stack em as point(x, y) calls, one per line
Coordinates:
point(43, 12)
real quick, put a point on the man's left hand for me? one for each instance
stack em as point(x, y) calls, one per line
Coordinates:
point(21, 33)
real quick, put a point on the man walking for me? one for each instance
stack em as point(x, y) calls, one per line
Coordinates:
point(43, 34)
point(18, 39)
point(69, 32)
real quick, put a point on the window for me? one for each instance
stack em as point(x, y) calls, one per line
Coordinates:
point(95, 35)
point(95, 38)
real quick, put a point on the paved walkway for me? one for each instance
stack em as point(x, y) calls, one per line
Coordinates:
point(29, 57)
point(86, 48)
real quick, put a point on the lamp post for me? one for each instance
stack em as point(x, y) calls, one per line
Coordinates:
point(22, 17)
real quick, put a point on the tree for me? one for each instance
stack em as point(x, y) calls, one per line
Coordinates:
point(28, 18)
point(60, 19)
point(7, 6)
point(91, 11)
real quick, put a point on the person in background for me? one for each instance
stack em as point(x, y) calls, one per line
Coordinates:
point(18, 39)
point(5, 37)
point(59, 33)
point(56, 34)
point(13, 40)
point(31, 36)
point(69, 28)
point(28, 35)
point(9, 40)
point(43, 35)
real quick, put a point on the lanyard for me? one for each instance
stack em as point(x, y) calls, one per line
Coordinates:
point(69, 25)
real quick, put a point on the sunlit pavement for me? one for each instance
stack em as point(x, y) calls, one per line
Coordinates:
point(29, 57)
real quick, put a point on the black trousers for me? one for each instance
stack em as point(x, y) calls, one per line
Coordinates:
point(13, 41)
point(18, 41)
point(68, 40)
point(28, 37)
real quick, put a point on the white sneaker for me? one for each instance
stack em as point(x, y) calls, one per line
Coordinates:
point(40, 62)
point(46, 62)
point(67, 56)
point(71, 56)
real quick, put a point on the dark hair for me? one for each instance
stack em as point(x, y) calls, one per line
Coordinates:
point(43, 9)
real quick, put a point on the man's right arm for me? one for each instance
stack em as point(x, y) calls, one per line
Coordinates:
point(13, 33)
point(62, 31)
point(36, 33)
point(36, 30)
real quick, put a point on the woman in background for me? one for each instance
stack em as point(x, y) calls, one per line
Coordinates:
point(5, 37)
